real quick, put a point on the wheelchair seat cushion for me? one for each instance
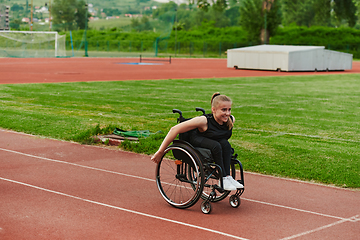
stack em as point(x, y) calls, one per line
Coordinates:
point(206, 153)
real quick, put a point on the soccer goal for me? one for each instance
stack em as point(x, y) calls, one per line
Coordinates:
point(30, 44)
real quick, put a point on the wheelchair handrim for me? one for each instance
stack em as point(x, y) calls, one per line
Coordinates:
point(198, 188)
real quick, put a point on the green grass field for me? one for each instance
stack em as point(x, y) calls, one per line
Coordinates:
point(302, 127)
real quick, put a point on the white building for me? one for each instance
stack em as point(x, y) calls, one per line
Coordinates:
point(288, 58)
point(42, 10)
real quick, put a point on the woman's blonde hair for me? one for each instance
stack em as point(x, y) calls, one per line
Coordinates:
point(215, 99)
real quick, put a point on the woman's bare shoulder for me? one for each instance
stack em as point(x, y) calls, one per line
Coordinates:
point(199, 121)
point(202, 123)
point(196, 122)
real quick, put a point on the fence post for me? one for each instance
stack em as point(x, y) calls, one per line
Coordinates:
point(203, 49)
point(175, 48)
point(156, 46)
point(190, 44)
point(219, 49)
point(118, 46)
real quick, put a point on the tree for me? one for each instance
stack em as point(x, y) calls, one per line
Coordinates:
point(218, 11)
point(135, 23)
point(16, 8)
point(319, 12)
point(15, 24)
point(69, 14)
point(145, 24)
point(141, 1)
point(166, 7)
point(81, 14)
point(299, 12)
point(218, 5)
point(233, 13)
point(357, 4)
point(273, 17)
point(185, 18)
point(345, 10)
point(255, 13)
point(322, 9)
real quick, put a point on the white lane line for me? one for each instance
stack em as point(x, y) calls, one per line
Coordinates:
point(77, 165)
point(125, 210)
point(292, 208)
point(152, 180)
point(352, 219)
point(300, 181)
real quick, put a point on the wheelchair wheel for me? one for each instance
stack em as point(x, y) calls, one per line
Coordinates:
point(172, 176)
point(206, 207)
point(234, 201)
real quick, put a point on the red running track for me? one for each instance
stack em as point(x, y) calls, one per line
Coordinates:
point(40, 70)
point(60, 190)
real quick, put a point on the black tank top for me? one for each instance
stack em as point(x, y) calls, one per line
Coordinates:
point(215, 131)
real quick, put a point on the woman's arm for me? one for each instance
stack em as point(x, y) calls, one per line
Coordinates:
point(197, 122)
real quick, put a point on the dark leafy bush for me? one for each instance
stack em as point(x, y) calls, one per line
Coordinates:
point(339, 39)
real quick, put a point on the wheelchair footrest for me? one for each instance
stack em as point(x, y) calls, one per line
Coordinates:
point(219, 189)
point(239, 192)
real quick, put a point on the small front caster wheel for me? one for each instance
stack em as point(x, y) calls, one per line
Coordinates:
point(234, 201)
point(206, 207)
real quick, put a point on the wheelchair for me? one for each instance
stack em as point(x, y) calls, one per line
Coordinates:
point(186, 173)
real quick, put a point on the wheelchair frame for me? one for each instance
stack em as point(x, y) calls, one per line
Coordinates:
point(186, 173)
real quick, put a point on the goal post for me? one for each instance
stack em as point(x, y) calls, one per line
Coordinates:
point(27, 44)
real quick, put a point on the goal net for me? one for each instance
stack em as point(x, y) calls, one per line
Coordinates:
point(30, 44)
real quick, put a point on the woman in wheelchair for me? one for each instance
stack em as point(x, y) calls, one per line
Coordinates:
point(212, 131)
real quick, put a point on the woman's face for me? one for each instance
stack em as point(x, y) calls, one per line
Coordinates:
point(222, 112)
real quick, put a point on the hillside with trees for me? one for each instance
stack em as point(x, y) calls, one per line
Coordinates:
point(247, 21)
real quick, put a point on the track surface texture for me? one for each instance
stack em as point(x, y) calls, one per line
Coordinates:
point(60, 190)
point(38, 70)
point(52, 189)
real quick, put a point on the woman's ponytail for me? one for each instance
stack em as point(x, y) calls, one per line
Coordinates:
point(214, 96)
point(230, 123)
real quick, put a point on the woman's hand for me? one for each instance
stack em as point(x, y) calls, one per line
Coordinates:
point(157, 157)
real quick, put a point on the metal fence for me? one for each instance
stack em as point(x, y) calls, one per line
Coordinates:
point(175, 49)
point(150, 48)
